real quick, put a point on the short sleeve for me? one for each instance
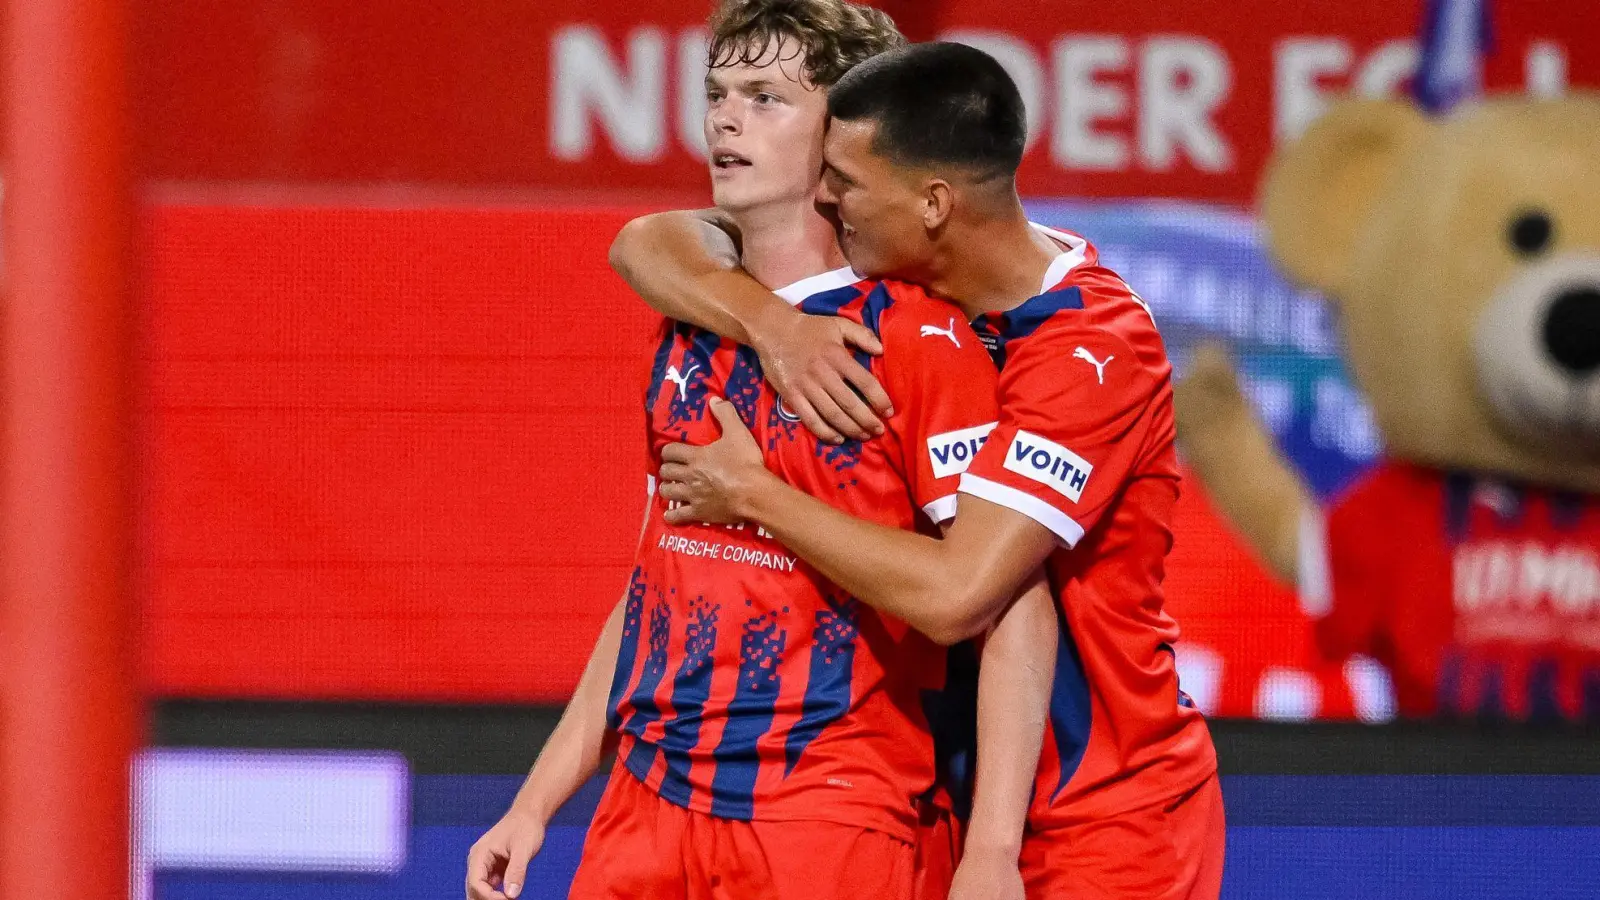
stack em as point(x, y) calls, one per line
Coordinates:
point(1076, 407)
point(943, 386)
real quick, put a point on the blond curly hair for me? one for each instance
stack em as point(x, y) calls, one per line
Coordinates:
point(831, 36)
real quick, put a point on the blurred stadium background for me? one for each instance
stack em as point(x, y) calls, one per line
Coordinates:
point(388, 478)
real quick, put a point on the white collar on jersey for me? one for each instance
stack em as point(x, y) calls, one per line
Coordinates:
point(1076, 252)
point(816, 284)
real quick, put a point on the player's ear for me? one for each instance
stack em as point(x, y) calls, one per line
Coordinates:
point(938, 202)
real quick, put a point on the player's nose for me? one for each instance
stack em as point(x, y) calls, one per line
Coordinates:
point(724, 119)
point(825, 195)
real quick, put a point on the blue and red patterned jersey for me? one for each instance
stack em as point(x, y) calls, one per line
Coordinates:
point(1085, 447)
point(1481, 597)
point(747, 686)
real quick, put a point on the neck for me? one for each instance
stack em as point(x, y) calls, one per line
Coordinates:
point(991, 265)
point(784, 243)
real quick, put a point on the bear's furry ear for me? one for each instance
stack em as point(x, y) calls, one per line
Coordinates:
point(1319, 189)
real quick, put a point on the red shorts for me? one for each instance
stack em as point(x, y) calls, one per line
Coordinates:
point(1170, 851)
point(938, 851)
point(641, 846)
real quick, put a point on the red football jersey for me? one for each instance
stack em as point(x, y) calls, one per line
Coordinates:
point(1085, 447)
point(1482, 598)
point(747, 686)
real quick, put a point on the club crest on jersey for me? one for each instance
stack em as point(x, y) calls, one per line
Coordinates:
point(952, 451)
point(1050, 464)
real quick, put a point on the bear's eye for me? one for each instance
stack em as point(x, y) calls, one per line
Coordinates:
point(1531, 232)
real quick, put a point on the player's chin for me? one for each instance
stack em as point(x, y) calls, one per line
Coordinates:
point(724, 197)
point(862, 260)
point(738, 194)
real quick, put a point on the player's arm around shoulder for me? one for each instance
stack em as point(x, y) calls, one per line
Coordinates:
point(685, 264)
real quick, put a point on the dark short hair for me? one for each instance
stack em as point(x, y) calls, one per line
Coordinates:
point(832, 36)
point(936, 105)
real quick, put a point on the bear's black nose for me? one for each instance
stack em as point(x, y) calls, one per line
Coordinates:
point(1572, 330)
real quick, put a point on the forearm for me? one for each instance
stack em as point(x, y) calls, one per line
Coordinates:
point(1014, 683)
point(685, 265)
point(581, 739)
point(896, 571)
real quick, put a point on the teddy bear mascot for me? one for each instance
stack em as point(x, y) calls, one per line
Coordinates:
point(1462, 254)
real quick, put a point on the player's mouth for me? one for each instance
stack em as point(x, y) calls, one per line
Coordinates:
point(727, 160)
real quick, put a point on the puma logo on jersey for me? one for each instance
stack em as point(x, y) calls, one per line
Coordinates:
point(1099, 367)
point(681, 380)
point(949, 332)
point(1050, 464)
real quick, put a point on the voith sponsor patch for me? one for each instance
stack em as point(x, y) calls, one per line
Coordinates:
point(952, 451)
point(1049, 463)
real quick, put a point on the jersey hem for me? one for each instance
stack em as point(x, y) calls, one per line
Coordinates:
point(942, 509)
point(1068, 531)
point(1044, 823)
point(887, 825)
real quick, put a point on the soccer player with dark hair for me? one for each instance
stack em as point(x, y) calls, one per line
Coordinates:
point(776, 736)
point(1080, 475)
